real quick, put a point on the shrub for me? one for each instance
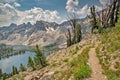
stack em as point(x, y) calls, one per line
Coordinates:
point(65, 60)
point(56, 72)
point(111, 75)
point(77, 48)
point(73, 52)
point(99, 29)
point(22, 68)
point(53, 64)
point(73, 63)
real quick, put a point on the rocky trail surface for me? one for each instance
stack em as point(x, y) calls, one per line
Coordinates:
point(97, 72)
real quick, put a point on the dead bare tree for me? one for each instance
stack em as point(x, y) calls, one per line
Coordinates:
point(116, 11)
point(109, 15)
point(73, 35)
point(93, 18)
point(73, 24)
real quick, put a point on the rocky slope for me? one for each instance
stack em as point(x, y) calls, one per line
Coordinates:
point(60, 63)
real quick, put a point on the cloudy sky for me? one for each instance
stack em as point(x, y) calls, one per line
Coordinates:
point(23, 11)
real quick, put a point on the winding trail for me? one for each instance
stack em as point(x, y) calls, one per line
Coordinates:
point(97, 72)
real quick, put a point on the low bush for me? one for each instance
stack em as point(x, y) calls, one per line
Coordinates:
point(82, 72)
point(56, 72)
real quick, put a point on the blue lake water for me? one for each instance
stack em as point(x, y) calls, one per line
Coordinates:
point(7, 63)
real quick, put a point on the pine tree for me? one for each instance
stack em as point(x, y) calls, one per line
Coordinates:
point(22, 68)
point(39, 56)
point(36, 61)
point(68, 35)
point(30, 62)
point(74, 24)
point(14, 70)
point(4, 76)
point(78, 33)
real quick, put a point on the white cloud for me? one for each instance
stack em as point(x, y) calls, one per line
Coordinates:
point(16, 4)
point(98, 8)
point(7, 1)
point(104, 2)
point(83, 11)
point(71, 5)
point(38, 14)
point(9, 14)
point(8, 6)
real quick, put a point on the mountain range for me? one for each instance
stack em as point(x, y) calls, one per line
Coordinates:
point(42, 33)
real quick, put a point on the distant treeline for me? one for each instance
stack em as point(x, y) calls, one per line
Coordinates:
point(7, 51)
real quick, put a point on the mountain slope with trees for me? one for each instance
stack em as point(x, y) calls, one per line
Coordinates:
point(95, 52)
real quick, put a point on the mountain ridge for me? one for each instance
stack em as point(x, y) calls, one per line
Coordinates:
point(42, 32)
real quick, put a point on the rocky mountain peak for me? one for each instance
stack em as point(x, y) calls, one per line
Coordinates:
point(42, 32)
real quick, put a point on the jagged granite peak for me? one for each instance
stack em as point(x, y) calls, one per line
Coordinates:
point(41, 32)
point(13, 25)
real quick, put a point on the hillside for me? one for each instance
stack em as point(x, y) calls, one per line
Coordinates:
point(108, 51)
point(62, 63)
point(70, 63)
point(96, 57)
point(59, 40)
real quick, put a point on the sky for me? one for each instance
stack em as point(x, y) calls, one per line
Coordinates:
point(23, 11)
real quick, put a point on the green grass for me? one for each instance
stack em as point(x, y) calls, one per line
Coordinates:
point(65, 60)
point(22, 79)
point(73, 63)
point(73, 52)
point(111, 75)
point(53, 64)
point(77, 48)
point(82, 69)
point(56, 72)
point(111, 38)
point(82, 72)
point(78, 67)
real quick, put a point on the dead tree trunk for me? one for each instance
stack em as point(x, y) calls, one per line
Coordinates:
point(74, 23)
point(116, 11)
point(110, 16)
point(93, 18)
